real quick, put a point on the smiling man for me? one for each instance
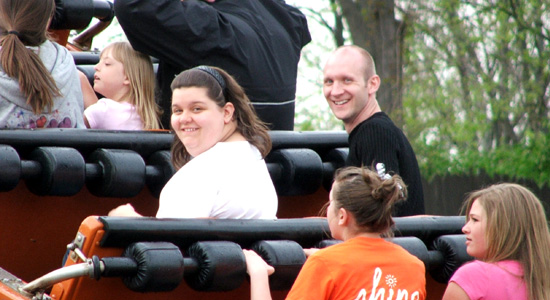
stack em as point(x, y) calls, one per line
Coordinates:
point(350, 84)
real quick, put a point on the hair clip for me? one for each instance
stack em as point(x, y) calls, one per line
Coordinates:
point(381, 170)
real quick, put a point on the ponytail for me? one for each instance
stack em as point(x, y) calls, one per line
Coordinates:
point(23, 24)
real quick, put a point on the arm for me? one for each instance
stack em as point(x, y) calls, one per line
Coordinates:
point(259, 272)
point(86, 122)
point(455, 292)
point(309, 251)
point(373, 144)
point(88, 92)
point(191, 27)
point(126, 210)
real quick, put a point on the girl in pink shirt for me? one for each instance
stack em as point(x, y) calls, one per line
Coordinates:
point(126, 79)
point(506, 230)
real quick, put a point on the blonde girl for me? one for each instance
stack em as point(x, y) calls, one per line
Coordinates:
point(126, 79)
point(507, 232)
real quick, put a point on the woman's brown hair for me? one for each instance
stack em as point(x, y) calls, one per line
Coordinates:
point(248, 123)
point(368, 196)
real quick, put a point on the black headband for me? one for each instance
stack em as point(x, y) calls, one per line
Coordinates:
point(214, 74)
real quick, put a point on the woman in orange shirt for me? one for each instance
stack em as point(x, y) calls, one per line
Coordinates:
point(364, 265)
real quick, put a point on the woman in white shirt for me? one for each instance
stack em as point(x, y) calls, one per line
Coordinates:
point(219, 149)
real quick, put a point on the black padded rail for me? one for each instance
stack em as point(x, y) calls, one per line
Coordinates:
point(86, 140)
point(77, 14)
point(120, 232)
point(148, 142)
point(318, 141)
point(107, 161)
point(308, 232)
point(87, 59)
point(91, 58)
point(283, 238)
point(428, 228)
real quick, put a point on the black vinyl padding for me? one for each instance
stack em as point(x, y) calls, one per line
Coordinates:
point(221, 266)
point(148, 142)
point(287, 257)
point(160, 267)
point(308, 232)
point(280, 241)
point(295, 171)
point(453, 249)
point(120, 231)
point(428, 228)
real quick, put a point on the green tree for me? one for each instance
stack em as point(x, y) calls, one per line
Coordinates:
point(477, 86)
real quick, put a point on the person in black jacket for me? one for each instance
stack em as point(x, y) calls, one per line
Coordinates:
point(257, 41)
point(350, 84)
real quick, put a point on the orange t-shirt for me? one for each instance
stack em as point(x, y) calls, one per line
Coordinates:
point(361, 268)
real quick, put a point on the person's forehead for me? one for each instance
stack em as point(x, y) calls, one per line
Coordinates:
point(477, 208)
point(344, 65)
point(107, 54)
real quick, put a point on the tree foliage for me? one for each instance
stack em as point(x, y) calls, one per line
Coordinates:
point(476, 89)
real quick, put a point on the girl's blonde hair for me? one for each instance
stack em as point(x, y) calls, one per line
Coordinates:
point(516, 230)
point(138, 67)
point(24, 23)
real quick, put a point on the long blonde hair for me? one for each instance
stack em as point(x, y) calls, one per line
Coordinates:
point(138, 67)
point(517, 229)
point(23, 23)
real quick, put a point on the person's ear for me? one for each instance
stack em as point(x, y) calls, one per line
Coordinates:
point(228, 111)
point(343, 217)
point(373, 84)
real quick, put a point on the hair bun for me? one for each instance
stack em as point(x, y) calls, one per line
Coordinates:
point(378, 193)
